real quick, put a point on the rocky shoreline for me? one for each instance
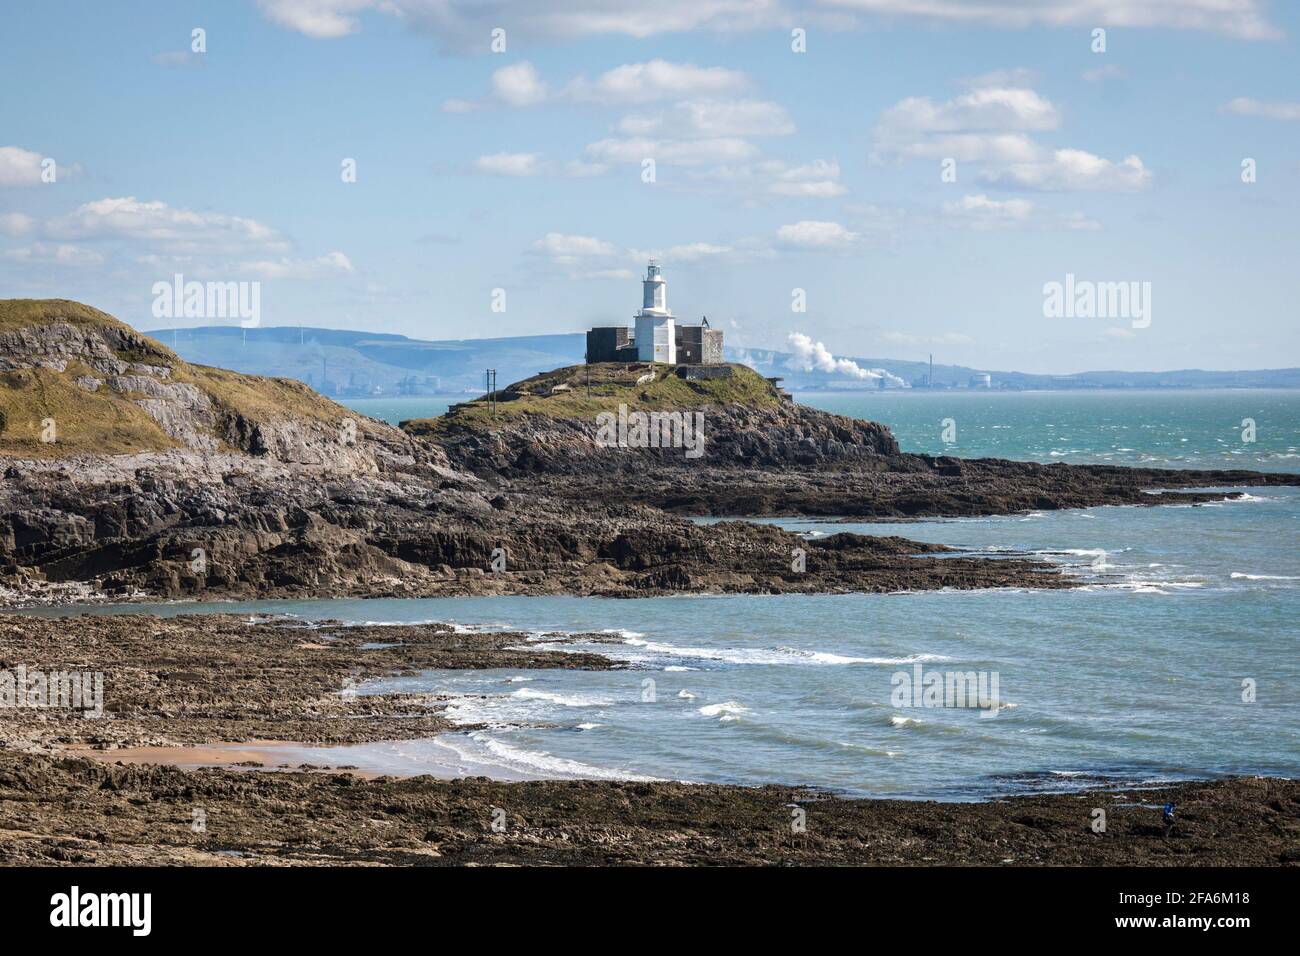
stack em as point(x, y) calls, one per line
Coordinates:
point(74, 811)
point(181, 525)
point(216, 678)
point(169, 481)
point(211, 678)
point(186, 525)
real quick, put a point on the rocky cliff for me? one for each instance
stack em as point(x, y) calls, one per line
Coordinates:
point(552, 424)
point(128, 473)
point(75, 381)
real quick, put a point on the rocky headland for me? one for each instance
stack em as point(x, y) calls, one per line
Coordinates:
point(127, 473)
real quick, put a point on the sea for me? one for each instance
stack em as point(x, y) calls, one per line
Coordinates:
point(1176, 656)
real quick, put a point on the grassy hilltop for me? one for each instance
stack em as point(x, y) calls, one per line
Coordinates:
point(111, 390)
point(563, 394)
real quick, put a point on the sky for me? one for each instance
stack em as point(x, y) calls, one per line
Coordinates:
point(889, 178)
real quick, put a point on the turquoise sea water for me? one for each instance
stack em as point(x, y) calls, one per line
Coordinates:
point(1142, 672)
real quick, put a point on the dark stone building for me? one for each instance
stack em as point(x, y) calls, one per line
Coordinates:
point(663, 339)
point(699, 344)
point(611, 343)
point(696, 344)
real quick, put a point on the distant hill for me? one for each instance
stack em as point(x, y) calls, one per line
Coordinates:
point(346, 363)
point(351, 364)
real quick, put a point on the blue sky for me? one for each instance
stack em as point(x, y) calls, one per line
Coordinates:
point(774, 170)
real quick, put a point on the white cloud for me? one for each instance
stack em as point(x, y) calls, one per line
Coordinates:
point(569, 249)
point(816, 234)
point(583, 257)
point(1245, 106)
point(184, 230)
point(818, 189)
point(533, 164)
point(816, 180)
point(60, 253)
point(689, 252)
point(984, 124)
point(1075, 169)
point(711, 117)
point(1245, 19)
point(466, 23)
point(509, 164)
point(981, 211)
point(588, 257)
point(966, 148)
point(319, 19)
point(518, 85)
point(984, 108)
point(672, 152)
point(286, 268)
point(19, 167)
point(15, 223)
point(657, 80)
point(991, 126)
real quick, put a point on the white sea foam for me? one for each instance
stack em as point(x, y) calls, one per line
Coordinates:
point(685, 695)
point(778, 655)
point(564, 700)
point(521, 708)
point(549, 765)
point(1264, 577)
point(622, 632)
point(729, 710)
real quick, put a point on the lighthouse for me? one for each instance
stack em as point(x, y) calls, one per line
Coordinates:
point(658, 336)
point(655, 336)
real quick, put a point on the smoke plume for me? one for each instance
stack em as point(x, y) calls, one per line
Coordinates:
point(809, 356)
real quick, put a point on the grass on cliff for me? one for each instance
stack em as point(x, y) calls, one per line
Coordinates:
point(40, 404)
point(108, 422)
point(20, 313)
point(612, 384)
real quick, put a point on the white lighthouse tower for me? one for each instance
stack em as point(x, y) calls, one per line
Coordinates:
point(656, 336)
